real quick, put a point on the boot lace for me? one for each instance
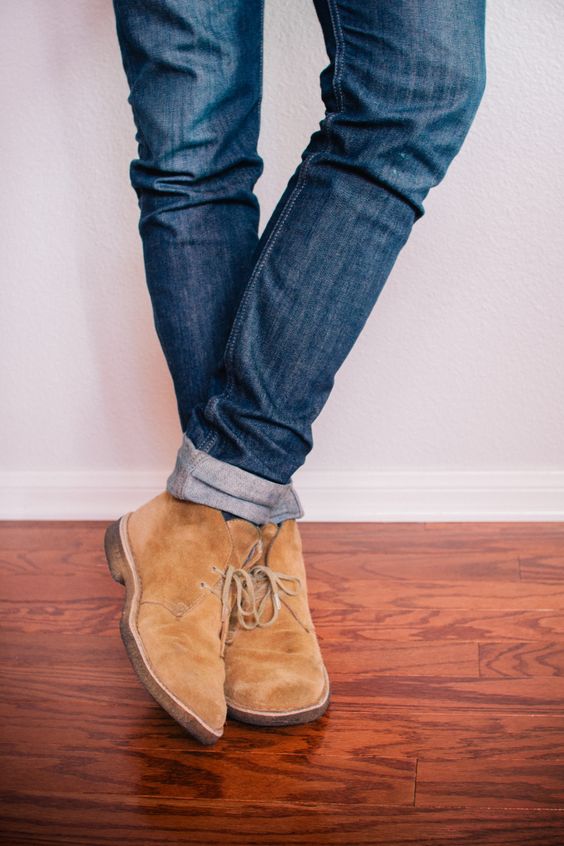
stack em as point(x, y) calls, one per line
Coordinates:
point(245, 595)
point(269, 585)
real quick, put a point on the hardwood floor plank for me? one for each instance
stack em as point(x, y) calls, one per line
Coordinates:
point(350, 593)
point(64, 686)
point(419, 565)
point(84, 615)
point(444, 624)
point(469, 695)
point(28, 535)
point(450, 659)
point(60, 571)
point(515, 532)
point(302, 777)
point(491, 782)
point(429, 735)
point(96, 820)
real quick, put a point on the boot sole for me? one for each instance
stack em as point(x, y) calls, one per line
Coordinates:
point(122, 568)
point(281, 718)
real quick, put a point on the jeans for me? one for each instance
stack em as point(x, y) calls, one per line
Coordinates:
point(255, 329)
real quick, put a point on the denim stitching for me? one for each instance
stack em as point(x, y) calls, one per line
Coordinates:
point(207, 445)
point(267, 250)
point(339, 52)
point(261, 66)
point(336, 83)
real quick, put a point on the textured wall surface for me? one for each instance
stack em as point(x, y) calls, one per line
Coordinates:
point(461, 365)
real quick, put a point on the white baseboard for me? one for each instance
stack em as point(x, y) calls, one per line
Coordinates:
point(326, 495)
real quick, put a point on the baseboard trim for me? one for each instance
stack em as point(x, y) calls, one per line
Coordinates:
point(414, 495)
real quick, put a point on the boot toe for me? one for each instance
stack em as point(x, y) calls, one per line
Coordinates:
point(276, 690)
point(183, 668)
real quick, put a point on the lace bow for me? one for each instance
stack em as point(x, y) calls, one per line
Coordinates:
point(247, 593)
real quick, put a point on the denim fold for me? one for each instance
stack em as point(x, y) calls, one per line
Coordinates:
point(199, 477)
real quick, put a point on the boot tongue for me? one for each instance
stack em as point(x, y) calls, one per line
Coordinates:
point(246, 542)
point(269, 532)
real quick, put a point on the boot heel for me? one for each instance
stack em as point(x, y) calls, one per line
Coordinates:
point(114, 552)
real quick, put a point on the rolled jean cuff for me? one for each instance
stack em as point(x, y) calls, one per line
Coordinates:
point(199, 477)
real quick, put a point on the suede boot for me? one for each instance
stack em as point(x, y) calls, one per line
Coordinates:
point(275, 674)
point(182, 566)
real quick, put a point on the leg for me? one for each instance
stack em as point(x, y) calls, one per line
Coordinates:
point(194, 70)
point(401, 90)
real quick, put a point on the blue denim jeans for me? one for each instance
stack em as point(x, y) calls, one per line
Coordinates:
point(255, 329)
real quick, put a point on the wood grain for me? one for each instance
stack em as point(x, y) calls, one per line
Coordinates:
point(547, 568)
point(522, 660)
point(94, 820)
point(445, 644)
point(187, 774)
point(506, 781)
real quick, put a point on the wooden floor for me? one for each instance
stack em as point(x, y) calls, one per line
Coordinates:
point(445, 645)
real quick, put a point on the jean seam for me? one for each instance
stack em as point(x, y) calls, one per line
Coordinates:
point(271, 242)
point(207, 444)
point(261, 66)
point(268, 247)
point(339, 52)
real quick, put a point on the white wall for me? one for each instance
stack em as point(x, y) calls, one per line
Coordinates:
point(452, 403)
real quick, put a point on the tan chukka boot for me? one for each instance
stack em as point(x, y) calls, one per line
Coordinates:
point(181, 564)
point(275, 673)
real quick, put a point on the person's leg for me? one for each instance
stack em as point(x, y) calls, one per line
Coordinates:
point(401, 90)
point(194, 69)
